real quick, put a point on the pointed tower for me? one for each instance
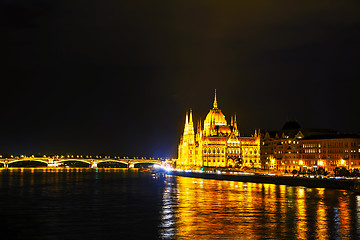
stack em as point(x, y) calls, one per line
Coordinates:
point(235, 129)
point(198, 132)
point(215, 105)
point(191, 133)
point(186, 156)
point(199, 145)
point(200, 128)
point(186, 124)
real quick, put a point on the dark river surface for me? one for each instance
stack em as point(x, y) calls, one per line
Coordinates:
point(80, 203)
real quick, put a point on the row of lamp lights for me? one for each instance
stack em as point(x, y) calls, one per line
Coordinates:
point(321, 162)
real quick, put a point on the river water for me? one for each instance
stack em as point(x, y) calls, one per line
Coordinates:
point(80, 203)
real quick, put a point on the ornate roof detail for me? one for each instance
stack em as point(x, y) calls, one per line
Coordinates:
point(214, 118)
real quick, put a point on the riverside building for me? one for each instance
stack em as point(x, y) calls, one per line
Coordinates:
point(301, 149)
point(217, 144)
point(329, 152)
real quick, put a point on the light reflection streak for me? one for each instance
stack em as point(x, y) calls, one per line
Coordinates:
point(301, 217)
point(358, 213)
point(321, 219)
point(336, 223)
point(168, 213)
point(344, 216)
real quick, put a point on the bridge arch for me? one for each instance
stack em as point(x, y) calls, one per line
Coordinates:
point(139, 163)
point(10, 162)
point(73, 160)
point(112, 163)
point(88, 162)
point(112, 160)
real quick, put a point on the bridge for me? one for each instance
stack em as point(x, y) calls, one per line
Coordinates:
point(57, 161)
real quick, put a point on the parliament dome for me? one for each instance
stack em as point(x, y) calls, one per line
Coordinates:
point(215, 117)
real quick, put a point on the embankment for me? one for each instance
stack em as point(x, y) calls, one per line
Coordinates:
point(346, 184)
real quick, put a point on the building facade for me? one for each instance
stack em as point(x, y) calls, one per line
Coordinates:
point(296, 148)
point(329, 152)
point(217, 144)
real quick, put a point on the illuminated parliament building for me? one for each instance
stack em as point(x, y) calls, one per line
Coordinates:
point(217, 144)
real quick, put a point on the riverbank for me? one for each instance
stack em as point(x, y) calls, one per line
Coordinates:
point(310, 182)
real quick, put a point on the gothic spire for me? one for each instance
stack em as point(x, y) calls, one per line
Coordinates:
point(235, 123)
point(235, 126)
point(190, 121)
point(215, 102)
point(186, 124)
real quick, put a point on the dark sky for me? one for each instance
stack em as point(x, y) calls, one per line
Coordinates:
point(117, 77)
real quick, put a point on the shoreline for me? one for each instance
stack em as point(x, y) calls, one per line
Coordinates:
point(331, 183)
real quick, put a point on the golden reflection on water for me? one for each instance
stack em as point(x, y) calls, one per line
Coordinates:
point(212, 209)
point(301, 217)
point(205, 205)
point(321, 226)
point(345, 217)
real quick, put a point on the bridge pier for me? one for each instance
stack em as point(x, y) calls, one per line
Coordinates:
point(94, 165)
point(131, 165)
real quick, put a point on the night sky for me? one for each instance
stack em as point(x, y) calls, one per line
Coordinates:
point(117, 77)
